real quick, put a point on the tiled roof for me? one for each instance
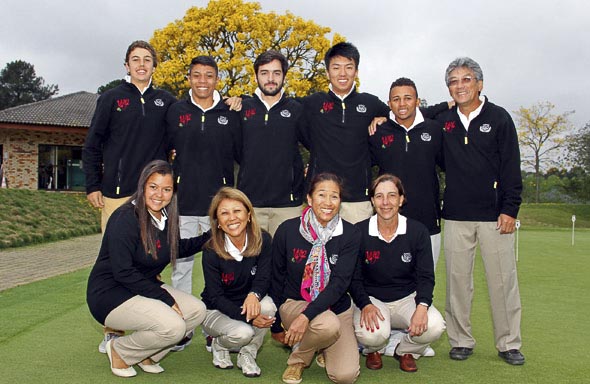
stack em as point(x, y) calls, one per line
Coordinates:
point(72, 110)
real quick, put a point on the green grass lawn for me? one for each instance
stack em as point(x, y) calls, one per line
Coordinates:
point(32, 217)
point(47, 334)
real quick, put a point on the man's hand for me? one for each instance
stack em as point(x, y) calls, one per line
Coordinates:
point(96, 199)
point(506, 224)
point(373, 126)
point(234, 103)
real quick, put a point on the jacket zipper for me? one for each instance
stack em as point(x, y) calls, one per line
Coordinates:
point(343, 112)
point(203, 122)
point(407, 140)
point(118, 190)
point(142, 105)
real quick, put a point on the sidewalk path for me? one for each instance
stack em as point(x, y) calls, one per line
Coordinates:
point(24, 265)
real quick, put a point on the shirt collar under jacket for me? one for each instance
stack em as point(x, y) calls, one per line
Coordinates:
point(258, 93)
point(216, 99)
point(142, 91)
point(345, 96)
point(417, 120)
point(161, 223)
point(233, 250)
point(402, 227)
point(468, 119)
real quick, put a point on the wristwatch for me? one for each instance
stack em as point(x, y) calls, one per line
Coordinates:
point(255, 294)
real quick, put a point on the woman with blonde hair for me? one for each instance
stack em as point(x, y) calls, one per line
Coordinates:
point(237, 268)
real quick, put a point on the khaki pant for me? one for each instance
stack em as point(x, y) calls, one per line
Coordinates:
point(235, 334)
point(356, 212)
point(157, 327)
point(269, 219)
point(110, 205)
point(398, 315)
point(182, 274)
point(333, 334)
point(497, 252)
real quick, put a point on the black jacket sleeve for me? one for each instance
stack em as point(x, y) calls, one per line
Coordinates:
point(262, 279)
point(92, 151)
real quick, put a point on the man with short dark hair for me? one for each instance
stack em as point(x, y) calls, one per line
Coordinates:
point(271, 168)
point(409, 146)
point(481, 202)
point(336, 123)
point(205, 136)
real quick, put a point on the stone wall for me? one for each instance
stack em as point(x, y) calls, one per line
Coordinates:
point(21, 153)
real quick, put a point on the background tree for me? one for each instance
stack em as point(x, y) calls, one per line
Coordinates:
point(235, 32)
point(110, 85)
point(540, 134)
point(579, 148)
point(19, 84)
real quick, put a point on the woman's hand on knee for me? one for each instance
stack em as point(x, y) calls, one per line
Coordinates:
point(370, 317)
point(296, 330)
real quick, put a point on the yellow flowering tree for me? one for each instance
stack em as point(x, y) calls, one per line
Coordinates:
point(235, 32)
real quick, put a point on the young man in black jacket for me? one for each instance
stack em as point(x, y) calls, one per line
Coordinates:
point(127, 132)
point(205, 136)
point(409, 146)
point(271, 168)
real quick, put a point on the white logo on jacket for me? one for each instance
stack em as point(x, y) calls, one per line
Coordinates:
point(485, 128)
point(407, 257)
point(285, 113)
point(253, 271)
point(222, 120)
point(425, 136)
point(159, 102)
point(333, 259)
point(361, 108)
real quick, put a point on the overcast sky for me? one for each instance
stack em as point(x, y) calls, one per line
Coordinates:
point(529, 50)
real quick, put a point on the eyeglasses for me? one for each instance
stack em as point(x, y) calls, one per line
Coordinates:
point(467, 80)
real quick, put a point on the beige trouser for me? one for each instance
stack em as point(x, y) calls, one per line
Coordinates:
point(497, 252)
point(269, 219)
point(157, 327)
point(398, 315)
point(235, 334)
point(333, 334)
point(356, 212)
point(435, 244)
point(109, 207)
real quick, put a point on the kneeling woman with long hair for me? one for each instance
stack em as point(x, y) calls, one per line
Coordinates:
point(237, 268)
point(314, 257)
point(124, 291)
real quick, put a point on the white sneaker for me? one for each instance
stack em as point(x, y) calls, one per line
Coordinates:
point(221, 358)
point(394, 339)
point(182, 344)
point(428, 352)
point(102, 347)
point(248, 364)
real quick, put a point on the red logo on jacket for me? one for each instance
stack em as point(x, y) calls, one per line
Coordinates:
point(184, 119)
point(449, 126)
point(386, 140)
point(371, 257)
point(299, 255)
point(227, 278)
point(249, 113)
point(122, 104)
point(327, 106)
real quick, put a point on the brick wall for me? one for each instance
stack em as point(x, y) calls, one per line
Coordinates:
point(21, 153)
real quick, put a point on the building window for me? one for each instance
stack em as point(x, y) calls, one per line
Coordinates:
point(60, 167)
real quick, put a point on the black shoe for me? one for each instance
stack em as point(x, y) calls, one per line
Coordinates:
point(512, 357)
point(460, 353)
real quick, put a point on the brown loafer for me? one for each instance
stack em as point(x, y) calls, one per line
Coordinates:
point(374, 361)
point(407, 362)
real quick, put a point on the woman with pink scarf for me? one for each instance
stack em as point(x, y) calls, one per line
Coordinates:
point(314, 257)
